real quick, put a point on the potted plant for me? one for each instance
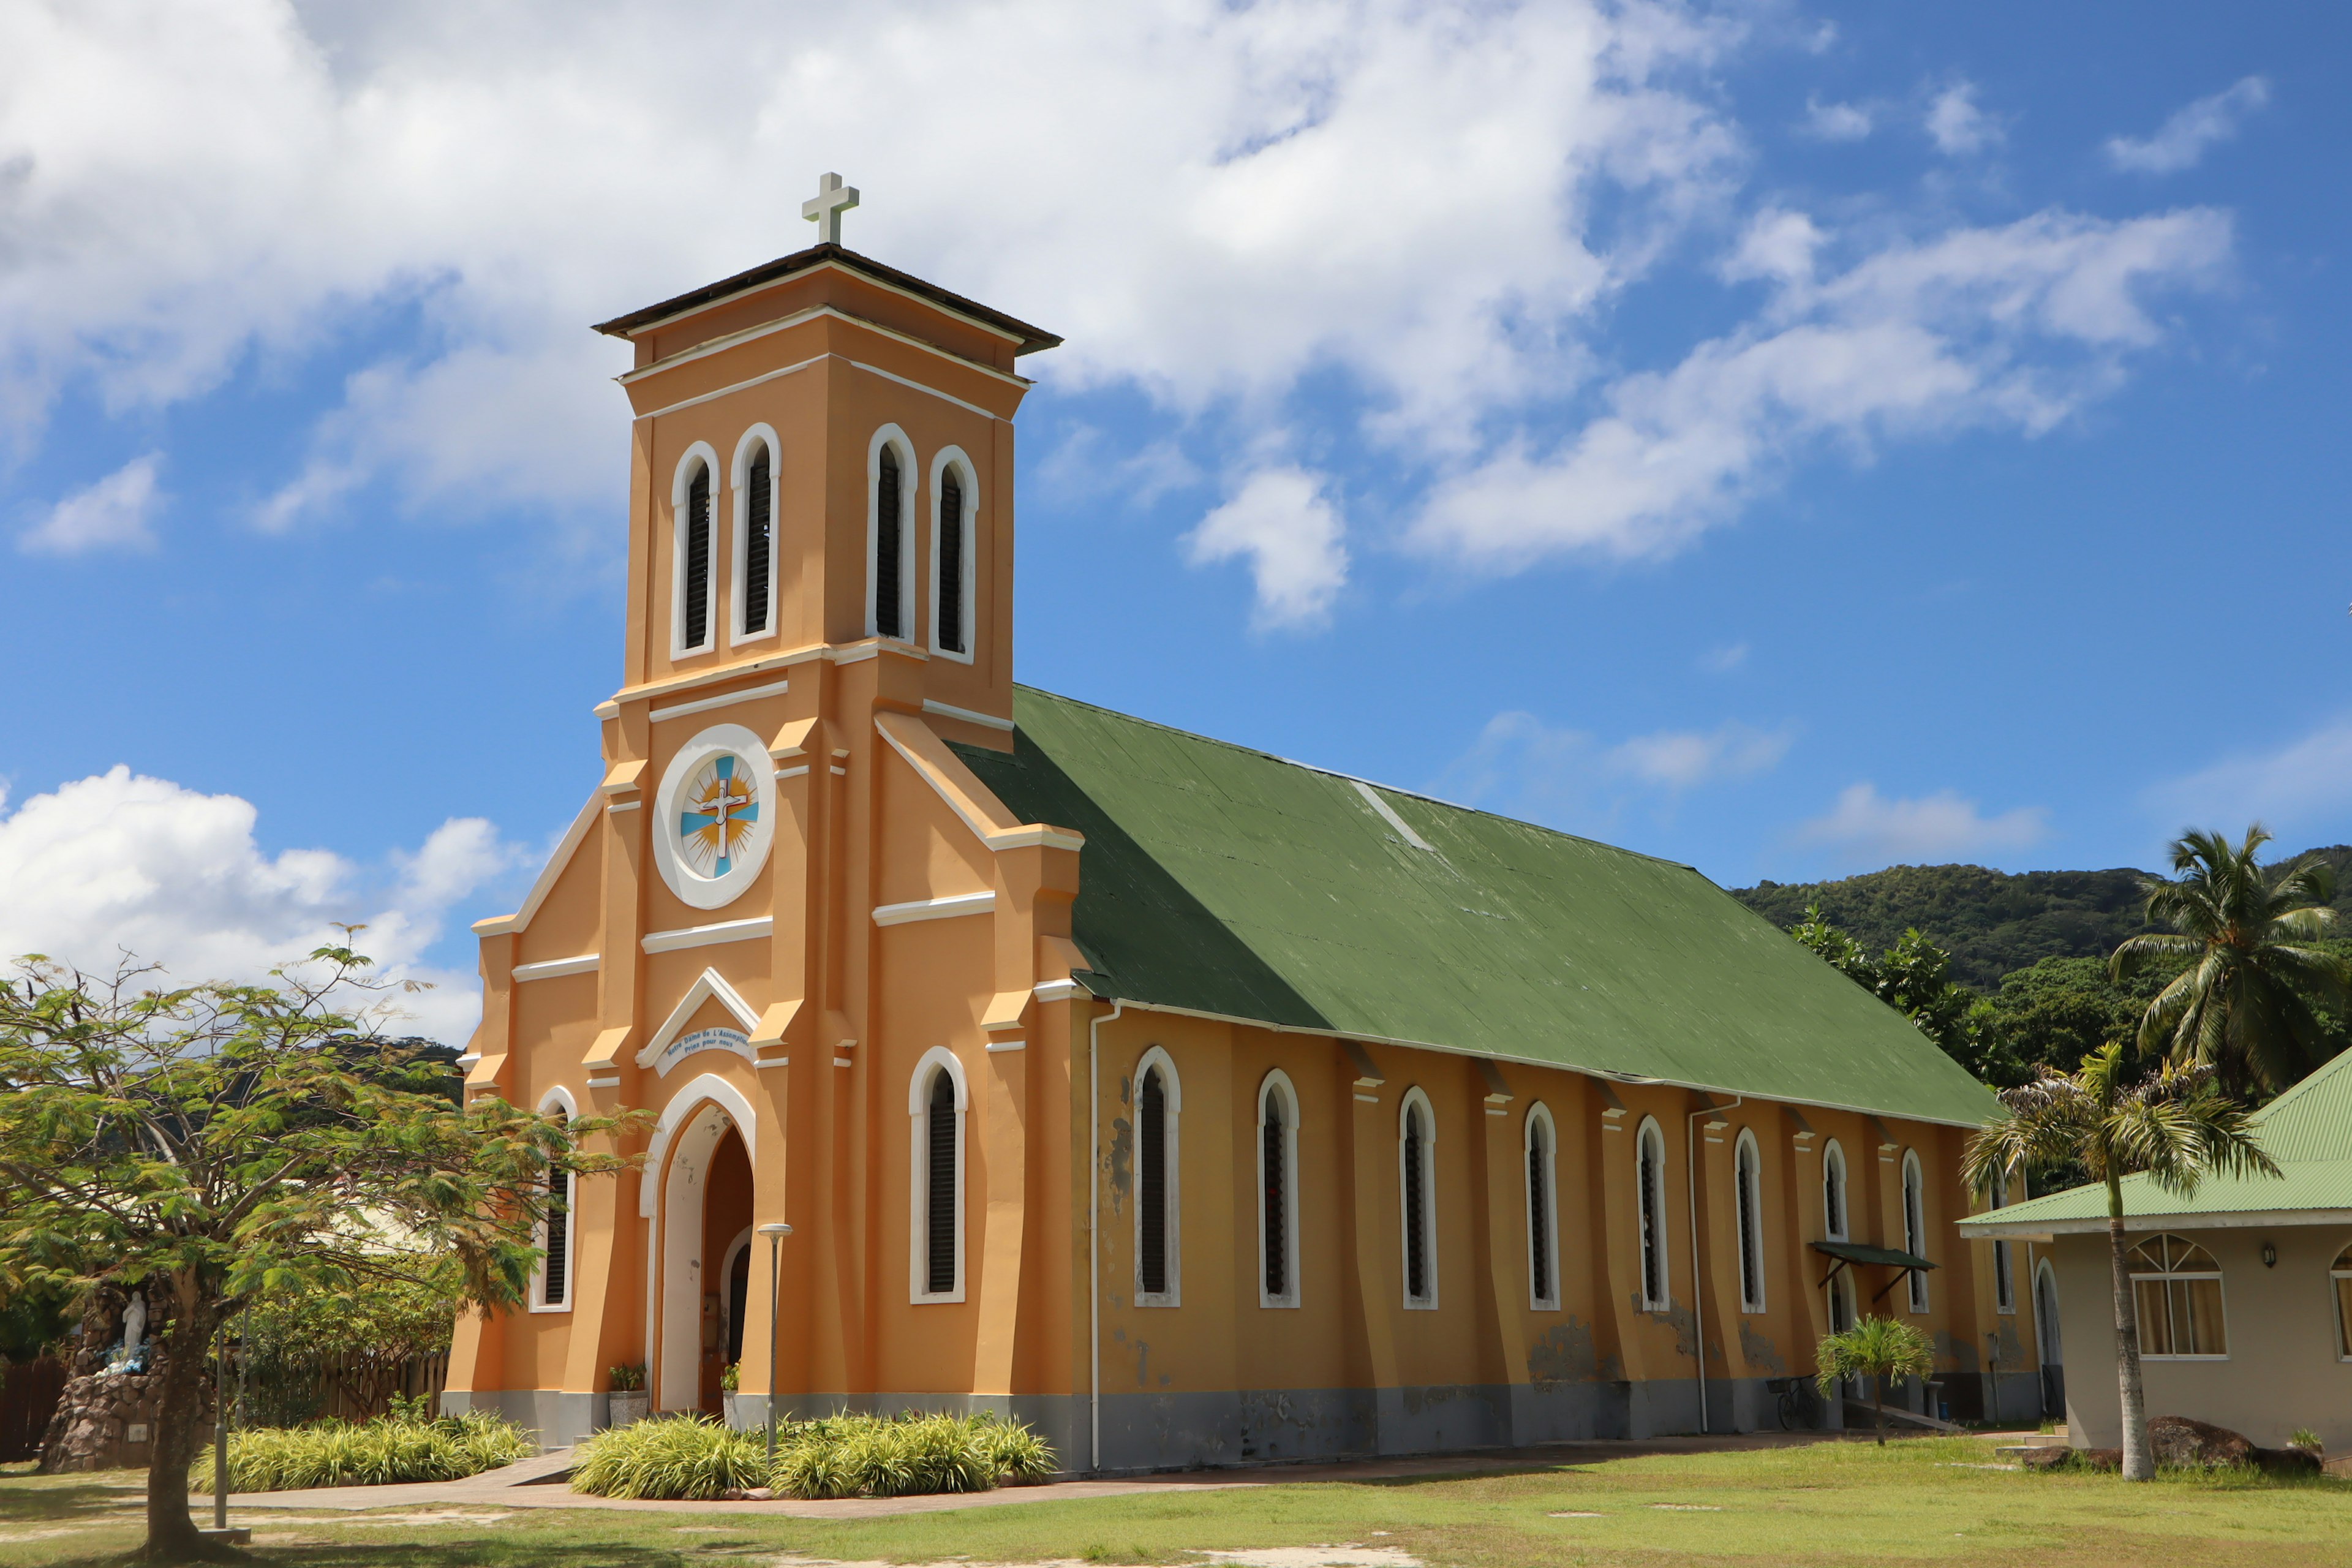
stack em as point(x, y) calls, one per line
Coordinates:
point(627, 1402)
point(728, 1383)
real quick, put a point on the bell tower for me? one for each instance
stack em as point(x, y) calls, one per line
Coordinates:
point(821, 468)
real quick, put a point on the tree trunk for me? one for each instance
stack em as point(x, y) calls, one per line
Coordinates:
point(2139, 1464)
point(179, 1432)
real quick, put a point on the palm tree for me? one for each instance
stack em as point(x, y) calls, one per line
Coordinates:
point(1878, 1348)
point(2246, 1001)
point(2175, 1127)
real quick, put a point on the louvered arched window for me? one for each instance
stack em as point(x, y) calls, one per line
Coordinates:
point(1157, 1100)
point(1833, 1191)
point(694, 570)
point(952, 549)
point(1416, 1130)
point(2340, 1277)
point(755, 534)
point(1543, 1225)
point(1650, 1200)
point(2004, 1271)
point(1914, 1226)
point(1747, 1194)
point(1277, 1209)
point(892, 484)
point(936, 1107)
point(552, 1281)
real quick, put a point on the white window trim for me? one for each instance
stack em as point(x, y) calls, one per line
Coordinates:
point(1915, 1228)
point(966, 570)
point(1171, 1188)
point(1543, 1293)
point(939, 1058)
point(739, 482)
point(1426, 1303)
point(1834, 1226)
point(558, 1098)
point(2004, 1262)
point(909, 488)
point(2339, 1269)
point(1276, 1082)
point(1656, 1202)
point(1748, 1158)
point(2214, 1274)
point(700, 452)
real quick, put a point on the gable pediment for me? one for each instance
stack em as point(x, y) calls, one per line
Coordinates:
point(711, 1017)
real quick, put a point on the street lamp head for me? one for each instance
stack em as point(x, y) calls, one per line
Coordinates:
point(778, 1228)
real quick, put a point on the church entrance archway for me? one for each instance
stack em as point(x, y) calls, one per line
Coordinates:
point(2046, 1331)
point(706, 1200)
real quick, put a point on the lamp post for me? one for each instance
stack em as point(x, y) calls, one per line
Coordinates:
point(775, 1234)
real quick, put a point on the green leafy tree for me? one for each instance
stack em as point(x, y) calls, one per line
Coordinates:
point(1880, 1349)
point(214, 1143)
point(2176, 1127)
point(363, 1337)
point(2254, 998)
point(1914, 977)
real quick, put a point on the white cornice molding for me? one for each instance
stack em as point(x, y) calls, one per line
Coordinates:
point(807, 653)
point(705, 704)
point(943, 909)
point(505, 925)
point(949, 711)
point(556, 968)
point(706, 936)
point(864, 277)
point(709, 986)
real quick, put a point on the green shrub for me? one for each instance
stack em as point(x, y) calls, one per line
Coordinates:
point(403, 1447)
point(670, 1457)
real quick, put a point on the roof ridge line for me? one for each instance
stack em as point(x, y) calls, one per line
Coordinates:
point(1375, 784)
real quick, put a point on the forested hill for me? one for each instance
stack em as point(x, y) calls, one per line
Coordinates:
point(1991, 922)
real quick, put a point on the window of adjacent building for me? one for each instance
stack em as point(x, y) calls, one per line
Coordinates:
point(1157, 1099)
point(691, 523)
point(2004, 1274)
point(755, 536)
point(1746, 1193)
point(552, 1281)
point(1833, 1191)
point(893, 487)
point(1914, 1226)
point(953, 551)
point(1277, 1176)
point(936, 1104)
point(2340, 1276)
point(1416, 1127)
point(1543, 1227)
point(2176, 1287)
point(1650, 1201)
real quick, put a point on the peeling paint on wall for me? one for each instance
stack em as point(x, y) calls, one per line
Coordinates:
point(1568, 1352)
point(1961, 1353)
point(1761, 1351)
point(1679, 1319)
point(1119, 1161)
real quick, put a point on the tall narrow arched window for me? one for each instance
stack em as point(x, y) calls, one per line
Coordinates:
point(1543, 1225)
point(1277, 1209)
point(693, 567)
point(1747, 1194)
point(1650, 1200)
point(887, 613)
point(2340, 1277)
point(1159, 1100)
point(2004, 1273)
point(1833, 1191)
point(1416, 1131)
point(952, 549)
point(552, 1280)
point(936, 1107)
point(2176, 1287)
point(755, 534)
point(1914, 1226)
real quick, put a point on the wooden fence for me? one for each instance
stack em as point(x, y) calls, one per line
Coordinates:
point(30, 1391)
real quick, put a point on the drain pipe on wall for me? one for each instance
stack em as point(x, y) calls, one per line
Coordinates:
point(1094, 1244)
point(1699, 1292)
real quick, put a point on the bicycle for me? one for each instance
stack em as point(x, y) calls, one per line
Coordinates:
point(1798, 1405)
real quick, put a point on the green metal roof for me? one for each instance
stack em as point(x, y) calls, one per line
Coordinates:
point(1854, 1252)
point(1223, 880)
point(2307, 1130)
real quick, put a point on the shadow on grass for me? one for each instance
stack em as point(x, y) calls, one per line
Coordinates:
point(452, 1555)
point(72, 1501)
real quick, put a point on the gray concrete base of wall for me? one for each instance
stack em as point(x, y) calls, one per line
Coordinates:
point(560, 1416)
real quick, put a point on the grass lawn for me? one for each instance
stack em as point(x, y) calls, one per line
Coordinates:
point(1922, 1499)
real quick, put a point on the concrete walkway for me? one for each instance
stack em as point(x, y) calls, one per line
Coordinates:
point(540, 1482)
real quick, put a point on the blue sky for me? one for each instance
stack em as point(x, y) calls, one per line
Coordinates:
point(1788, 438)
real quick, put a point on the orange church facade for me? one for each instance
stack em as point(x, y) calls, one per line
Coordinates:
point(1067, 1118)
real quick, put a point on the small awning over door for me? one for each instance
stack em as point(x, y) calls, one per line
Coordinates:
point(1845, 1253)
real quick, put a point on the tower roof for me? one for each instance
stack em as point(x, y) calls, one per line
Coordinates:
point(1031, 339)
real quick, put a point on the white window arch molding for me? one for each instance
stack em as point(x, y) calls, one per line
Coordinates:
point(1276, 1091)
point(1914, 1226)
point(699, 456)
point(1417, 1198)
point(739, 483)
point(937, 1060)
point(696, 1118)
point(1650, 1215)
point(910, 483)
point(1158, 1061)
point(1747, 1211)
point(1541, 1144)
point(549, 1239)
point(1836, 1220)
point(964, 569)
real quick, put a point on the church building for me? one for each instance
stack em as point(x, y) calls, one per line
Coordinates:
point(1194, 1105)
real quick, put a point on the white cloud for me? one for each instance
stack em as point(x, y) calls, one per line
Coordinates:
point(2013, 326)
point(2181, 140)
point(1521, 766)
point(1837, 121)
point(1725, 659)
point(1684, 759)
point(1956, 125)
point(2308, 781)
point(1283, 523)
point(115, 513)
point(123, 862)
point(1866, 828)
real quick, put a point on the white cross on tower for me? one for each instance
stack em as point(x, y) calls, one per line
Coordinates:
point(825, 209)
